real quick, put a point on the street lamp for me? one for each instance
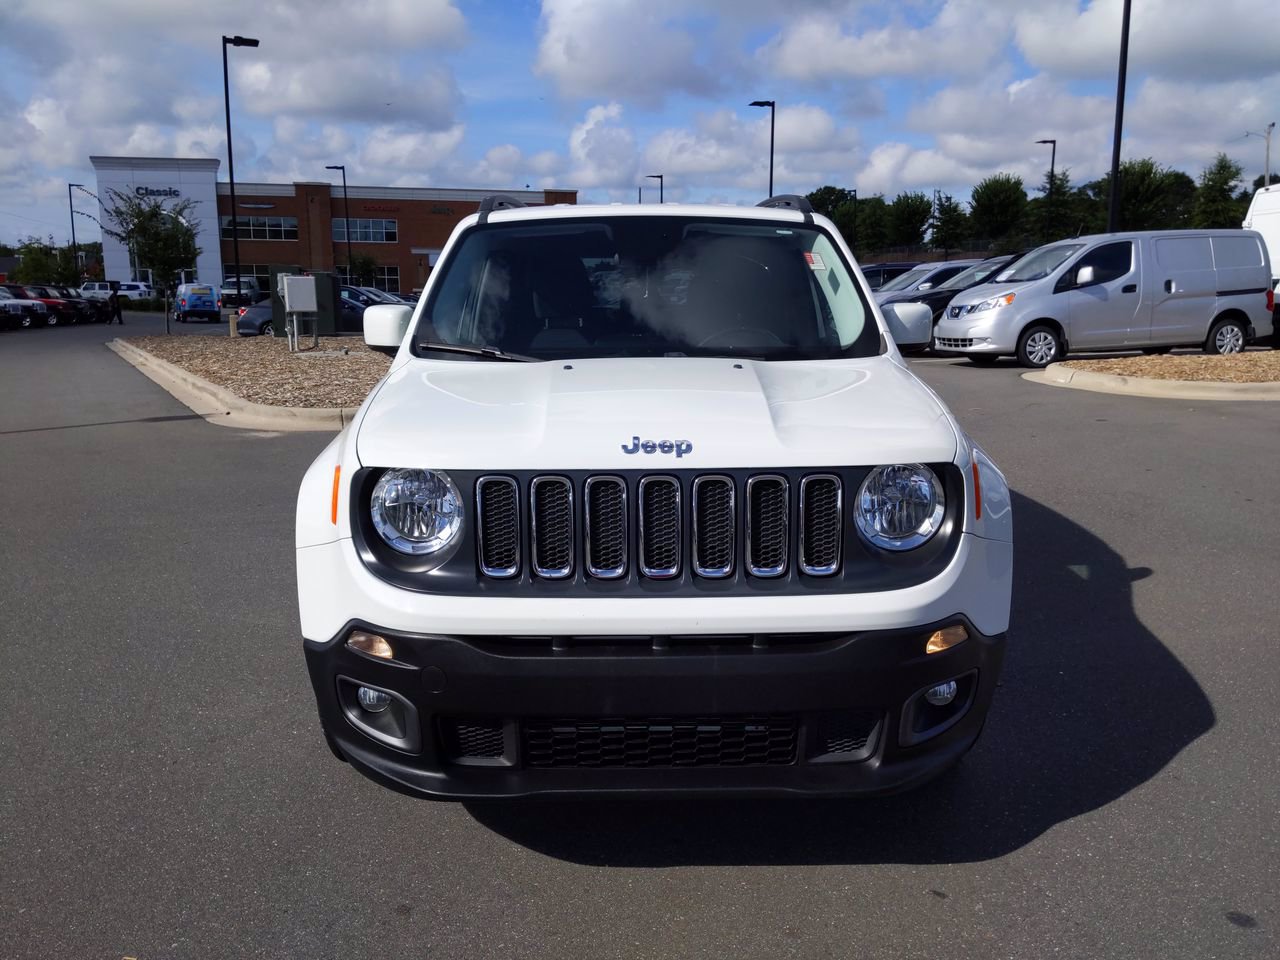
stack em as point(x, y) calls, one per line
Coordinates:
point(1113, 213)
point(658, 177)
point(1053, 157)
point(854, 245)
point(236, 41)
point(772, 110)
point(1266, 170)
point(75, 250)
point(346, 215)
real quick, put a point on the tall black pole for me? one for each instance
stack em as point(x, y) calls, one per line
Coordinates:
point(639, 194)
point(1113, 214)
point(346, 215)
point(855, 222)
point(772, 113)
point(231, 176)
point(75, 250)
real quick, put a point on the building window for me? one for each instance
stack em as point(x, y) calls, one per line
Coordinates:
point(388, 279)
point(262, 228)
point(261, 271)
point(365, 231)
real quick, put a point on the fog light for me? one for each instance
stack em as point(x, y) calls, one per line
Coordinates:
point(375, 701)
point(939, 696)
point(946, 638)
point(370, 643)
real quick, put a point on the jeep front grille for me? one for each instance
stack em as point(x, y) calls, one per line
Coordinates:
point(711, 526)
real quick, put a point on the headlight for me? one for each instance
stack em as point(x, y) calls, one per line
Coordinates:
point(416, 511)
point(900, 506)
point(994, 303)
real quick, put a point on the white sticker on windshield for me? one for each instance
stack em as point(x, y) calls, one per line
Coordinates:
point(814, 261)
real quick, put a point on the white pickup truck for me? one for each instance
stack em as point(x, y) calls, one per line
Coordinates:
point(649, 501)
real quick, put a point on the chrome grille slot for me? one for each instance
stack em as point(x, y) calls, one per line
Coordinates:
point(821, 525)
point(660, 527)
point(498, 526)
point(606, 520)
point(551, 522)
point(768, 525)
point(714, 526)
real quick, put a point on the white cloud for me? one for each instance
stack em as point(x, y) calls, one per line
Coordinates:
point(602, 151)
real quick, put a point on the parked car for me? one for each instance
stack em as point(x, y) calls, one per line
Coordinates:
point(59, 310)
point(711, 537)
point(196, 301)
point(255, 320)
point(250, 292)
point(132, 290)
point(878, 274)
point(21, 311)
point(95, 289)
point(1152, 290)
point(937, 297)
point(925, 276)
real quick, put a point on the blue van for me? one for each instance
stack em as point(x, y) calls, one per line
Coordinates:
point(196, 301)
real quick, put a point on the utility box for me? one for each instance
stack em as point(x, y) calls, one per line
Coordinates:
point(276, 270)
point(299, 294)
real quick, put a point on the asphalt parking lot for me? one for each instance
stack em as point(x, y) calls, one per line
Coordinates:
point(167, 792)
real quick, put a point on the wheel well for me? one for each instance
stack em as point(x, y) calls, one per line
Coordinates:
point(1052, 324)
point(1232, 314)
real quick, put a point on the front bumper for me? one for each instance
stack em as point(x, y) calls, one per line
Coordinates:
point(846, 711)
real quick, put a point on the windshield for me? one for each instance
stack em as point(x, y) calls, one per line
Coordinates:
point(906, 281)
point(1039, 263)
point(648, 287)
point(975, 274)
point(373, 293)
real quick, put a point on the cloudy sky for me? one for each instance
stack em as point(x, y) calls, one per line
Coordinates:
point(594, 94)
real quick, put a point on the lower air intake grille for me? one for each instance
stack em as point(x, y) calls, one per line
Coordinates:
point(472, 739)
point(954, 343)
point(660, 742)
point(849, 734)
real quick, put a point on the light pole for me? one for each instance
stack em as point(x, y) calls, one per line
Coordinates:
point(236, 41)
point(75, 250)
point(658, 177)
point(1266, 170)
point(1053, 157)
point(640, 194)
point(346, 215)
point(1113, 212)
point(772, 110)
point(855, 222)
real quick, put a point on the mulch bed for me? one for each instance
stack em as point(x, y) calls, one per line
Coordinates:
point(1252, 366)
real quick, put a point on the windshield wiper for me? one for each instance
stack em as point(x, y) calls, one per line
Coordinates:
point(489, 353)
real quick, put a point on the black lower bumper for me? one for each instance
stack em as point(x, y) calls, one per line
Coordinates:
point(813, 714)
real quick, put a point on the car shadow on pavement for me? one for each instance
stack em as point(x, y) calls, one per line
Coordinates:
point(1091, 706)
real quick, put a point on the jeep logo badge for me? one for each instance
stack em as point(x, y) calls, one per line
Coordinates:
point(678, 447)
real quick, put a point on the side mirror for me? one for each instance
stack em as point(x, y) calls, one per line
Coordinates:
point(385, 326)
point(1084, 276)
point(910, 324)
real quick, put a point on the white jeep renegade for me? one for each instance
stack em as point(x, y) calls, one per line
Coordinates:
point(649, 501)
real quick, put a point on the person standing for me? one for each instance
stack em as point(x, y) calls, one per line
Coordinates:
point(113, 304)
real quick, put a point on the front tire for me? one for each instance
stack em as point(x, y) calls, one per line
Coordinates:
point(267, 329)
point(1227, 337)
point(1039, 346)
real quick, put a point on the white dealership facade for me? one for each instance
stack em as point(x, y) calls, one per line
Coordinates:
point(167, 179)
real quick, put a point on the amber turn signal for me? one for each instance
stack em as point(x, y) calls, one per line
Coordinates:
point(370, 643)
point(946, 638)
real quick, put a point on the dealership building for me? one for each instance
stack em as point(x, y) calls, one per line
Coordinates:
point(303, 223)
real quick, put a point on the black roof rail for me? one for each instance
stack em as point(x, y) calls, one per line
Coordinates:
point(790, 201)
point(497, 201)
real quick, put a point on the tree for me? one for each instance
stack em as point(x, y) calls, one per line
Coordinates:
point(1216, 204)
point(827, 200)
point(363, 269)
point(1257, 183)
point(1152, 197)
point(996, 206)
point(909, 215)
point(1050, 216)
point(160, 238)
point(43, 262)
point(949, 226)
point(872, 229)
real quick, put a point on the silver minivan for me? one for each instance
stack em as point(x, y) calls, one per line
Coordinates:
point(1153, 290)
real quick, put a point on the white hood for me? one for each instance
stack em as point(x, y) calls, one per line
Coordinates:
point(581, 414)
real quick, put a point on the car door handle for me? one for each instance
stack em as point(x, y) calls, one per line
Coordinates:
point(1129, 288)
point(1168, 286)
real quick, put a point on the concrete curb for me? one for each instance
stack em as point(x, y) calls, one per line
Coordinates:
point(1058, 375)
point(220, 406)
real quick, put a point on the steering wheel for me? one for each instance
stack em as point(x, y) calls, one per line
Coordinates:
point(705, 341)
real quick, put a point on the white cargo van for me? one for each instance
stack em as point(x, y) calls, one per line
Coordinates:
point(1264, 218)
point(1152, 290)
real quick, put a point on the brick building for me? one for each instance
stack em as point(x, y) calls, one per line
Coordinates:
point(303, 223)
